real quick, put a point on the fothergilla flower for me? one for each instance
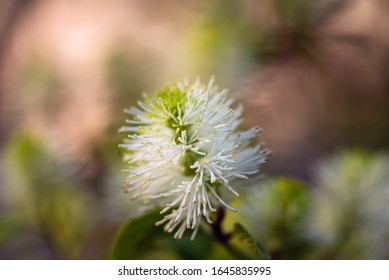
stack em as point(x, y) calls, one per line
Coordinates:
point(184, 149)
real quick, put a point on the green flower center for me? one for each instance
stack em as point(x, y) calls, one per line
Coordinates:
point(173, 101)
point(187, 161)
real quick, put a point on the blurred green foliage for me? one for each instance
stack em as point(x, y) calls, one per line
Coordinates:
point(43, 199)
point(351, 214)
point(343, 215)
point(276, 214)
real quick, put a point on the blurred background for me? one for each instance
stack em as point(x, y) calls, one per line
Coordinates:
point(314, 74)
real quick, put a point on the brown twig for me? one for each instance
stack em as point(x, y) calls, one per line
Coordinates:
point(224, 238)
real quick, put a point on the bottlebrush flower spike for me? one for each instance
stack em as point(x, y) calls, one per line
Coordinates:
point(184, 148)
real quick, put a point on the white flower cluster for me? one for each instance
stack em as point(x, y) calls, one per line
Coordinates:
point(184, 148)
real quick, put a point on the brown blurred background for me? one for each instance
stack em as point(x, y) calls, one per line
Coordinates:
point(313, 74)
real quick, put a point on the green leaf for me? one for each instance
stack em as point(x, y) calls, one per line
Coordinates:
point(198, 249)
point(250, 242)
point(138, 236)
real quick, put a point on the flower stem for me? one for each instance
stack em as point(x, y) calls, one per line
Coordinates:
point(224, 238)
